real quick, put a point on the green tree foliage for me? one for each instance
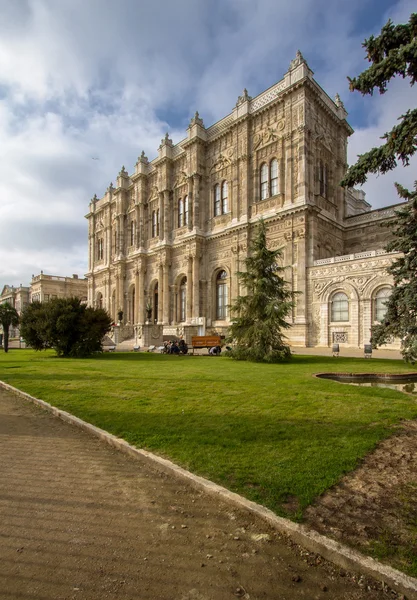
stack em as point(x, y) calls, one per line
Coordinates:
point(71, 328)
point(8, 318)
point(401, 317)
point(393, 52)
point(260, 315)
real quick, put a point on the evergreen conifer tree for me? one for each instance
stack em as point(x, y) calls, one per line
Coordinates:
point(260, 315)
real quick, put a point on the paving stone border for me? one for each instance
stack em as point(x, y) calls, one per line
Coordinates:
point(331, 550)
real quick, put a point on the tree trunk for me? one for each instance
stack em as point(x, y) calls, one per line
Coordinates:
point(6, 339)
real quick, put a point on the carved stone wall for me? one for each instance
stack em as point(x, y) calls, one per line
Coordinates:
point(148, 257)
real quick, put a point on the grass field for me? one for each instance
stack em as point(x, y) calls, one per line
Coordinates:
point(273, 433)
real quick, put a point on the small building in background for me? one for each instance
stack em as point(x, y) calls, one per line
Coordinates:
point(18, 297)
point(44, 288)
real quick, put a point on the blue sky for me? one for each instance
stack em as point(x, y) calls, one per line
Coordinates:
point(98, 78)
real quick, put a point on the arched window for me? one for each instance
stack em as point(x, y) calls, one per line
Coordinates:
point(340, 307)
point(183, 300)
point(100, 249)
point(154, 223)
point(323, 179)
point(380, 302)
point(264, 181)
point(273, 171)
point(221, 295)
point(225, 194)
point(217, 207)
point(132, 232)
point(180, 213)
point(186, 210)
point(115, 242)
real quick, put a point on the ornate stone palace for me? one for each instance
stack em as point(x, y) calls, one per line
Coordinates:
point(166, 242)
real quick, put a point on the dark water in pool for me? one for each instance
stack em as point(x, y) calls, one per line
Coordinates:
point(402, 383)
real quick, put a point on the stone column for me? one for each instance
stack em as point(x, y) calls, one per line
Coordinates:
point(118, 306)
point(109, 293)
point(174, 291)
point(190, 203)
point(196, 203)
point(161, 216)
point(140, 293)
point(166, 216)
point(366, 320)
point(189, 289)
point(91, 252)
point(234, 267)
point(288, 169)
point(160, 293)
point(137, 296)
point(196, 286)
point(165, 315)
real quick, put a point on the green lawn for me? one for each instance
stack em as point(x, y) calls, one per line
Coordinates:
point(273, 433)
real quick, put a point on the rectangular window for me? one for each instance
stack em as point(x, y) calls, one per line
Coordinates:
point(46, 297)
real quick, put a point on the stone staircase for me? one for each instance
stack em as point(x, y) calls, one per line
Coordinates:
point(126, 345)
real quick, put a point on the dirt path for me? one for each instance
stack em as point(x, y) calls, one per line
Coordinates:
point(374, 508)
point(79, 521)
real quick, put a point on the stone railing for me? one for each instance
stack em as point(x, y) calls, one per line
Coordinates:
point(345, 257)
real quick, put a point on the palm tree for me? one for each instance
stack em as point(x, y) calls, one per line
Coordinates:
point(8, 318)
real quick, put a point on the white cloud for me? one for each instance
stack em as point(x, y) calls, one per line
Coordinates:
point(107, 79)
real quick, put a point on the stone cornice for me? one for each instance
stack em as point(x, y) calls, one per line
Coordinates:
point(368, 218)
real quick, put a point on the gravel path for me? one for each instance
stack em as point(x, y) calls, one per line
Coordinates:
point(81, 521)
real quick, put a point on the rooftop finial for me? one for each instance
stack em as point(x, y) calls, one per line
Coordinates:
point(143, 158)
point(338, 101)
point(166, 141)
point(196, 120)
point(244, 97)
point(298, 60)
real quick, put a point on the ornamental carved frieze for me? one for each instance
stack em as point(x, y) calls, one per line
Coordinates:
point(278, 227)
point(99, 224)
point(221, 163)
point(182, 179)
point(264, 205)
point(237, 248)
point(154, 193)
point(360, 282)
point(268, 135)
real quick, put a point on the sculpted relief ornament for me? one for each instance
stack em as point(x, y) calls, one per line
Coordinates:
point(243, 98)
point(270, 134)
point(221, 163)
point(182, 179)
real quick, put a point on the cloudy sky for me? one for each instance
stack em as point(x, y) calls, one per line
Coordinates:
point(86, 85)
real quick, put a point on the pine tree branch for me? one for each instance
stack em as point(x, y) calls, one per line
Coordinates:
point(401, 144)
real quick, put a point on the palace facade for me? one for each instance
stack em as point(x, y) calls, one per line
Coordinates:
point(166, 241)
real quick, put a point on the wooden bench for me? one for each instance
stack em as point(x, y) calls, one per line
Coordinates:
point(205, 341)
